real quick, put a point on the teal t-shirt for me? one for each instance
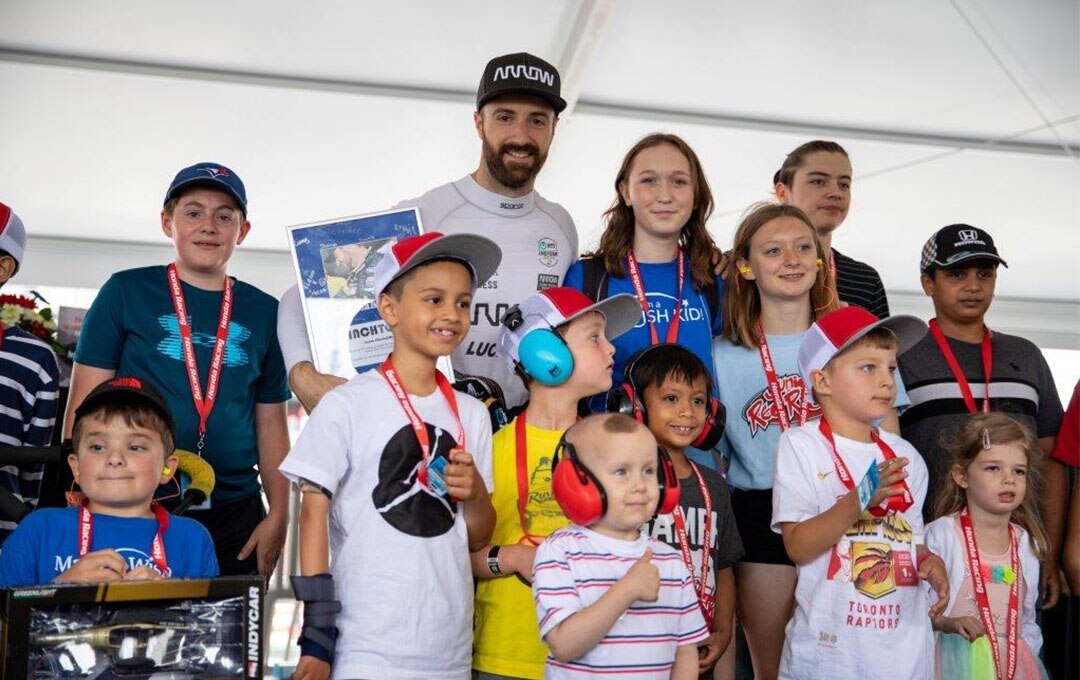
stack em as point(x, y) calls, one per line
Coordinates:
point(132, 329)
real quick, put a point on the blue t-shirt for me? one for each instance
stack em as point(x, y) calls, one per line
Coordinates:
point(696, 325)
point(46, 544)
point(132, 329)
point(752, 431)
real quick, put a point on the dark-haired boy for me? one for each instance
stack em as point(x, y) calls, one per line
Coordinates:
point(674, 388)
point(123, 450)
point(399, 465)
point(507, 643)
point(29, 381)
point(962, 367)
point(208, 343)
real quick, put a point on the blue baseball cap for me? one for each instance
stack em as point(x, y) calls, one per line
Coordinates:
point(212, 175)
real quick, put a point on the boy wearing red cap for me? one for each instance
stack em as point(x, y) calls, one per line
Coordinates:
point(558, 342)
point(848, 500)
point(398, 465)
point(208, 343)
point(29, 381)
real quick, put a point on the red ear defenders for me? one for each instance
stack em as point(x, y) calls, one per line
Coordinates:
point(581, 495)
point(625, 399)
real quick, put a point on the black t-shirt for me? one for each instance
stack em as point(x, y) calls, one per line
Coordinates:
point(858, 283)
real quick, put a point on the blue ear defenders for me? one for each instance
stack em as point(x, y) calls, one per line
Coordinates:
point(543, 354)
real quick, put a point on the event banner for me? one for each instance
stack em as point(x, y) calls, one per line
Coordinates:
point(335, 268)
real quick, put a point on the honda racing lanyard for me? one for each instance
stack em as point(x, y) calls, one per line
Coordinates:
point(954, 366)
point(774, 386)
point(983, 601)
point(157, 548)
point(706, 599)
point(418, 425)
point(522, 446)
point(894, 503)
point(204, 404)
point(639, 291)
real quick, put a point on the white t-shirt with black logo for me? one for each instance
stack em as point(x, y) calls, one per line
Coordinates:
point(538, 240)
point(400, 555)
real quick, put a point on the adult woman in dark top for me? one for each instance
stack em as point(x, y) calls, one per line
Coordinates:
point(816, 177)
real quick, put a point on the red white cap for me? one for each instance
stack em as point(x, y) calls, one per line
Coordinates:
point(554, 307)
point(12, 234)
point(481, 255)
point(836, 331)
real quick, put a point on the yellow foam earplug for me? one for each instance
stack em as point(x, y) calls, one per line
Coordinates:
point(744, 270)
point(820, 262)
point(166, 470)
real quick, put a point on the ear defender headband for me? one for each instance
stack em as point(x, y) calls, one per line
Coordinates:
point(581, 495)
point(543, 354)
point(626, 399)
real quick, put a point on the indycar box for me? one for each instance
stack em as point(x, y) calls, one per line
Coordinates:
point(198, 628)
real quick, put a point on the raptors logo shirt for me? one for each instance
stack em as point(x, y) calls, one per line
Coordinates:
point(861, 600)
point(399, 553)
point(752, 430)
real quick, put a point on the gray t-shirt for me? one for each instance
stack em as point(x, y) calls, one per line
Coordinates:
point(1021, 386)
point(727, 547)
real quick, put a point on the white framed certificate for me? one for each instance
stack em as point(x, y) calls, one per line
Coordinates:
point(335, 267)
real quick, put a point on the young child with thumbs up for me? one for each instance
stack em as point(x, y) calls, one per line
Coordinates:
point(610, 600)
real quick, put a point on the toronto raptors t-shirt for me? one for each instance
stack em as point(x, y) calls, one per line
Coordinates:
point(399, 553)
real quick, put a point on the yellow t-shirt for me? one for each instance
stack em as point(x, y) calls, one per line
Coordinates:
point(506, 640)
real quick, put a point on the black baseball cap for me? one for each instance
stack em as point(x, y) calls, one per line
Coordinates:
point(114, 387)
point(520, 73)
point(957, 243)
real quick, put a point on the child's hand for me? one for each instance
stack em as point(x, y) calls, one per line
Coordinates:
point(891, 473)
point(95, 567)
point(519, 559)
point(143, 573)
point(1050, 585)
point(932, 570)
point(708, 653)
point(462, 478)
point(311, 668)
point(968, 627)
point(643, 579)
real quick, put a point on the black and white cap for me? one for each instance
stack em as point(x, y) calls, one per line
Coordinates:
point(521, 73)
point(957, 243)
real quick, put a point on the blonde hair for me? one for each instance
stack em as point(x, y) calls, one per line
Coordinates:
point(742, 303)
point(964, 447)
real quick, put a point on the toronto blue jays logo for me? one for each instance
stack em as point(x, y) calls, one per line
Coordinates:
point(217, 172)
point(171, 345)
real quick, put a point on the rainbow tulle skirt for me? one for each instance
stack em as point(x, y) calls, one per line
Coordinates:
point(958, 659)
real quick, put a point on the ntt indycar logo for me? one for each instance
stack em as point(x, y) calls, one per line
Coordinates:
point(521, 71)
point(254, 635)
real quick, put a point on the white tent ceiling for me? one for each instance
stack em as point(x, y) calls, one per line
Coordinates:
point(953, 111)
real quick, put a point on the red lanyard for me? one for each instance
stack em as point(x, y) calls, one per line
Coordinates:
point(779, 407)
point(203, 404)
point(954, 366)
point(707, 601)
point(894, 503)
point(418, 425)
point(522, 446)
point(157, 548)
point(983, 601)
point(639, 291)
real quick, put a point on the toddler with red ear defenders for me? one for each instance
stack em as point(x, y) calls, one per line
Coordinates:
point(601, 581)
point(668, 388)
